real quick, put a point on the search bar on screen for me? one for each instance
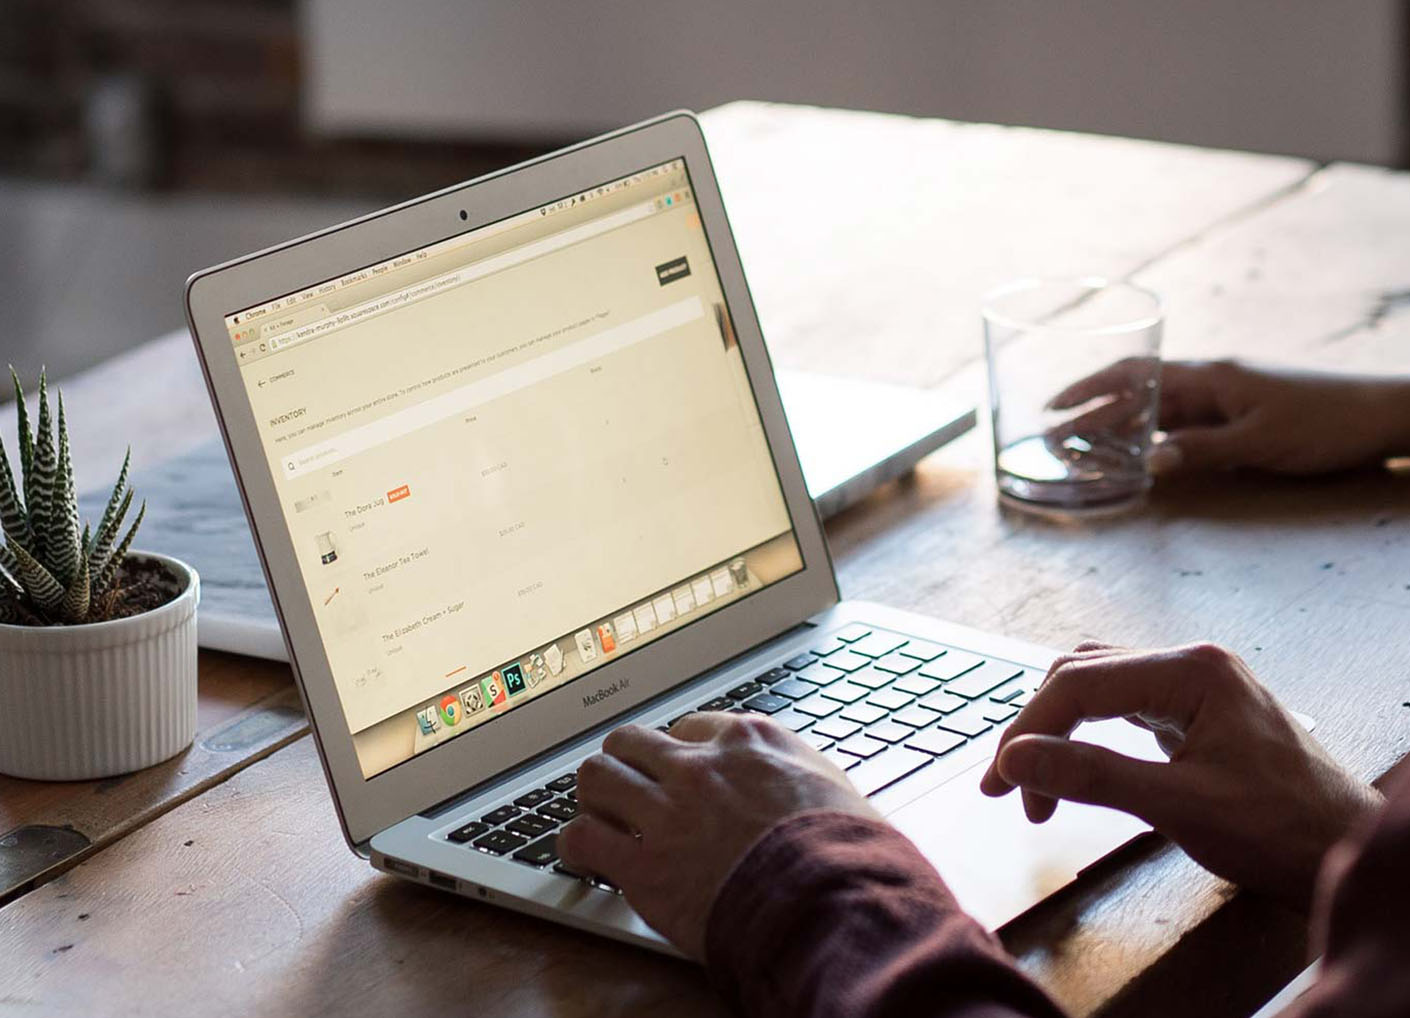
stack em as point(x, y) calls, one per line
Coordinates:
point(520, 376)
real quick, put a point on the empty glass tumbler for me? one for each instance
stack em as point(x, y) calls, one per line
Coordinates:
point(1074, 389)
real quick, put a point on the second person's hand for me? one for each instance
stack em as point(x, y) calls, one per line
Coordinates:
point(1247, 792)
point(1224, 414)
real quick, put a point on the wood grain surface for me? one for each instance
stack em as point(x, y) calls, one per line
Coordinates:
point(868, 239)
point(247, 709)
point(246, 902)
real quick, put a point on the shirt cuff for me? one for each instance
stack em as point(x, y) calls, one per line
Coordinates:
point(831, 913)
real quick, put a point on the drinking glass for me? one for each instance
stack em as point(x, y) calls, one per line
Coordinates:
point(1074, 386)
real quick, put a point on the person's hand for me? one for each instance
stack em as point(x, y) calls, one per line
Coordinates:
point(667, 817)
point(1247, 792)
point(1224, 414)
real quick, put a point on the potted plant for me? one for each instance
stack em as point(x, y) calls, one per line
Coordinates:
point(97, 642)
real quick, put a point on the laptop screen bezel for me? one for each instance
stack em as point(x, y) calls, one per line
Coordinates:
point(368, 805)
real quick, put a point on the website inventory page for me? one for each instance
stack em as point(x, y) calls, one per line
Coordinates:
point(511, 457)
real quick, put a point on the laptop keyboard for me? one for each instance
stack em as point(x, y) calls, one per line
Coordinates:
point(879, 704)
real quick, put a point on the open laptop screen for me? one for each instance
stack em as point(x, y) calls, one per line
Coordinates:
point(513, 456)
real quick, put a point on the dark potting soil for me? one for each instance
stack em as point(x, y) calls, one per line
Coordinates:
point(143, 586)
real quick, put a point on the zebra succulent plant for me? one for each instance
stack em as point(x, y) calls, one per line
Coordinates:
point(51, 572)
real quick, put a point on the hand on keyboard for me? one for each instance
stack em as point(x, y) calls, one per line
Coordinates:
point(666, 816)
point(1247, 792)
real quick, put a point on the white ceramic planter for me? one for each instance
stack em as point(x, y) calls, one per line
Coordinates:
point(91, 701)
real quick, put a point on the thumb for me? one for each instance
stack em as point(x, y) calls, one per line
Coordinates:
point(1217, 447)
point(1082, 772)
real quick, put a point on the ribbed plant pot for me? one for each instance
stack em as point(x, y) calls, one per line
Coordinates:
point(91, 701)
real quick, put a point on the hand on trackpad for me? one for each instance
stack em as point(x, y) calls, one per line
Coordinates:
point(1246, 791)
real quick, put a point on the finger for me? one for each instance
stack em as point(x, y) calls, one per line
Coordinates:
point(1114, 685)
point(1098, 684)
point(1040, 807)
point(749, 728)
point(1037, 807)
point(702, 726)
point(618, 793)
point(1192, 393)
point(591, 845)
point(1217, 447)
point(1078, 653)
point(1089, 645)
point(1167, 738)
point(1119, 412)
point(1081, 772)
point(1119, 378)
point(646, 749)
point(1163, 459)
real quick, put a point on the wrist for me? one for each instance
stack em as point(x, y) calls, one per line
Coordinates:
point(1346, 817)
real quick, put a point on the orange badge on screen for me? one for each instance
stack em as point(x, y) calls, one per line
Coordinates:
point(397, 494)
point(607, 638)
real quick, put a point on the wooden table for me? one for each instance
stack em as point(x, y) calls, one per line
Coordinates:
point(217, 883)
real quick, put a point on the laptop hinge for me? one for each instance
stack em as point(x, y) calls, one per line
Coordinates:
point(589, 735)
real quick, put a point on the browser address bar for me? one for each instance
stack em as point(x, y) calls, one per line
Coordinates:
point(438, 284)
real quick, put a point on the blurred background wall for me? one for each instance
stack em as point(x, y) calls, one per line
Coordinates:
point(141, 139)
point(1295, 76)
point(367, 96)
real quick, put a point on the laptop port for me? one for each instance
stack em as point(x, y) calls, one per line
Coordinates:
point(406, 869)
point(440, 880)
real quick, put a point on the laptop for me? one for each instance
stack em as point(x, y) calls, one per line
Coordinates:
point(518, 472)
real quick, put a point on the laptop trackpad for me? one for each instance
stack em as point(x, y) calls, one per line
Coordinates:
point(997, 863)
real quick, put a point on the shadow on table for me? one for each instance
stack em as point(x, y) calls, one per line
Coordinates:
point(401, 949)
point(1284, 501)
point(1226, 966)
point(1378, 497)
point(1244, 497)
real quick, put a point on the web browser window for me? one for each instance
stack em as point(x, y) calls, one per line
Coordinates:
point(512, 457)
